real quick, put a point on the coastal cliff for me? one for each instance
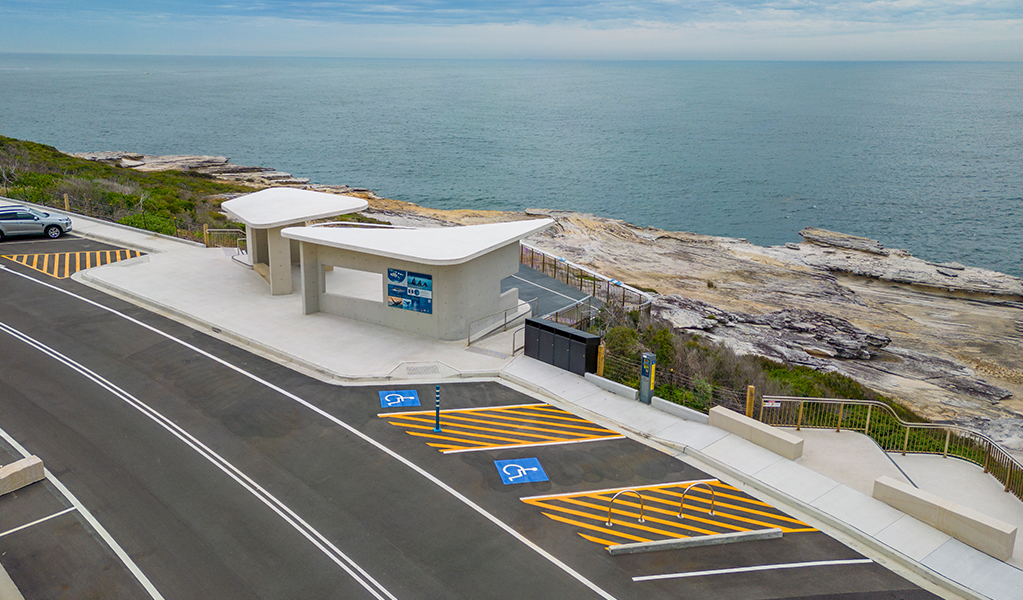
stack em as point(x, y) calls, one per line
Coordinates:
point(943, 338)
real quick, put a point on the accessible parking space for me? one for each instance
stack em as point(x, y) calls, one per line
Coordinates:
point(559, 495)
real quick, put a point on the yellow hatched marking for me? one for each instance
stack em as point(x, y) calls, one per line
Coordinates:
point(517, 431)
point(602, 529)
point(61, 265)
point(733, 506)
point(497, 427)
point(647, 517)
point(474, 435)
point(710, 521)
point(632, 522)
point(596, 540)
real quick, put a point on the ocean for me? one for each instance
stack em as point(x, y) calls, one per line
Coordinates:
point(927, 157)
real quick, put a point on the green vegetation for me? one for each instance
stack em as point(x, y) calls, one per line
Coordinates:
point(176, 202)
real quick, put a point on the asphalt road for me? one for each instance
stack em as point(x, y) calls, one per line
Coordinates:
point(221, 474)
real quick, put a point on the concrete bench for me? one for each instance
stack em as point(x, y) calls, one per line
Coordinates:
point(20, 473)
point(765, 436)
point(987, 534)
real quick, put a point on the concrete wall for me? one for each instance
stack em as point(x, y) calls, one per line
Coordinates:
point(765, 436)
point(20, 473)
point(970, 527)
point(461, 293)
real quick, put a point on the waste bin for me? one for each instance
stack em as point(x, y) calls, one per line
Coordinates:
point(562, 346)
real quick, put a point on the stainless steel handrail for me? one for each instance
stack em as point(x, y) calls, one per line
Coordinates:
point(682, 502)
point(615, 497)
point(533, 304)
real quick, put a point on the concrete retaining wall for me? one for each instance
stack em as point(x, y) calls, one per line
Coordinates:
point(613, 386)
point(970, 527)
point(679, 411)
point(775, 440)
point(20, 473)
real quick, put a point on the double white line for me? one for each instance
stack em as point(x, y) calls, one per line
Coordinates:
point(322, 543)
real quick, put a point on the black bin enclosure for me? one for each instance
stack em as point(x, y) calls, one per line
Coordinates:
point(562, 346)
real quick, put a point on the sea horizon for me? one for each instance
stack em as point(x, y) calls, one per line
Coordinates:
point(926, 156)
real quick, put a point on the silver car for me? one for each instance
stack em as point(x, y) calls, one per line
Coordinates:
point(20, 220)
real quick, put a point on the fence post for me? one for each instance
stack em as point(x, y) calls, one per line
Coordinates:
point(987, 456)
point(750, 391)
point(799, 420)
point(905, 443)
point(948, 436)
point(841, 409)
point(206, 235)
point(866, 430)
point(600, 359)
point(67, 205)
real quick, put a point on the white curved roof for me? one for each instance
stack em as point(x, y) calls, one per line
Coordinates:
point(430, 246)
point(280, 206)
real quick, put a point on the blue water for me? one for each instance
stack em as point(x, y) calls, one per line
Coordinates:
point(922, 156)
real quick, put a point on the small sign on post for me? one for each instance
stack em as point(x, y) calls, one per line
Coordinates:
point(646, 377)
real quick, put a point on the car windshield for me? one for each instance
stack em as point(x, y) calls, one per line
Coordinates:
point(38, 213)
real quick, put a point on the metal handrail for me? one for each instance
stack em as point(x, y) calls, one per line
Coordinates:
point(896, 435)
point(533, 304)
point(682, 502)
point(615, 497)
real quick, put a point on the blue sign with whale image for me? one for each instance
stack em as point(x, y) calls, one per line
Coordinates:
point(410, 291)
point(520, 470)
point(397, 398)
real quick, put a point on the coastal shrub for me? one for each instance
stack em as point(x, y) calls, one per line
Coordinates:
point(153, 223)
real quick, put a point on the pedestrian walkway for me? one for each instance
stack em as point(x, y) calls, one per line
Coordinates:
point(829, 487)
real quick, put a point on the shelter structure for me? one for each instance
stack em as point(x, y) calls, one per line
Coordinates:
point(266, 212)
point(433, 281)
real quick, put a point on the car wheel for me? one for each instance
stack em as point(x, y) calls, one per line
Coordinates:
point(53, 232)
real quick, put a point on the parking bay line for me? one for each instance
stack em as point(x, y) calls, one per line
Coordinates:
point(816, 563)
point(282, 510)
point(37, 521)
point(96, 526)
point(393, 454)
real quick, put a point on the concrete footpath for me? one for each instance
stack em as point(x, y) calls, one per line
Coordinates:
point(828, 487)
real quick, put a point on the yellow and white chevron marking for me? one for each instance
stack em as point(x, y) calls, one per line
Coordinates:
point(64, 264)
point(733, 511)
point(499, 427)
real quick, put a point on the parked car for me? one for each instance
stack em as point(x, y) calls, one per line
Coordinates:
point(21, 220)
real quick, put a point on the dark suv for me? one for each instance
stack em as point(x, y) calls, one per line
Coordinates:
point(19, 220)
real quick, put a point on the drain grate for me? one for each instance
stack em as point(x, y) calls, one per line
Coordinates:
point(424, 370)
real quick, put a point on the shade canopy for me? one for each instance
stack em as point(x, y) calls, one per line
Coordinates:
point(280, 206)
point(429, 246)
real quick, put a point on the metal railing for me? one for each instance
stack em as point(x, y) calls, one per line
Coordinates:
point(579, 314)
point(484, 326)
point(879, 421)
point(607, 290)
point(223, 238)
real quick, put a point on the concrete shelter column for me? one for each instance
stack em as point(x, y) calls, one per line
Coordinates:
point(312, 278)
point(280, 262)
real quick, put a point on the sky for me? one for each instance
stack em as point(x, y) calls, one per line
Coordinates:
point(524, 29)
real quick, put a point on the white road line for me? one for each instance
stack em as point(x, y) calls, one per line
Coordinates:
point(613, 490)
point(453, 410)
point(545, 288)
point(289, 516)
point(99, 529)
point(37, 521)
point(817, 563)
point(534, 445)
point(507, 529)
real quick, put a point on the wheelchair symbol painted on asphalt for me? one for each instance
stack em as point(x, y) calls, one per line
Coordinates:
point(520, 470)
point(394, 398)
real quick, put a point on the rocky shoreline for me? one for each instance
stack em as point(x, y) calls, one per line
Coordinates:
point(945, 339)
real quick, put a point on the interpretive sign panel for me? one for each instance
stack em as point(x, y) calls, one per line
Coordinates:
point(410, 291)
point(394, 398)
point(520, 470)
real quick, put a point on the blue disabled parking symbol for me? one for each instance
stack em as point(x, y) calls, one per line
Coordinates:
point(520, 470)
point(399, 398)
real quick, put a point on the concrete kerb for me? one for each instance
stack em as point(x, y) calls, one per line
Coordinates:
point(889, 557)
